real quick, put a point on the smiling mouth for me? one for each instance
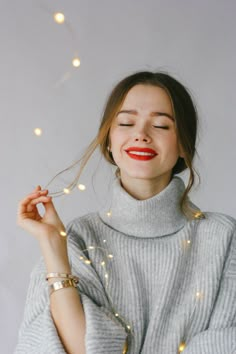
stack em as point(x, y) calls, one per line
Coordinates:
point(140, 154)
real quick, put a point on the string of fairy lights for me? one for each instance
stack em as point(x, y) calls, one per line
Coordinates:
point(197, 296)
point(59, 18)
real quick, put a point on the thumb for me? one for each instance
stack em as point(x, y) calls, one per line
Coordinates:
point(51, 212)
point(50, 208)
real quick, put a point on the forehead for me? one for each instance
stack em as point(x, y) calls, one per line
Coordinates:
point(147, 97)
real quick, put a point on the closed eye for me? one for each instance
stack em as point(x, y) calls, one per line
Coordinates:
point(155, 126)
point(161, 126)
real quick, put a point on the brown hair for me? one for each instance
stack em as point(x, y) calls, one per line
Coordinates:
point(185, 115)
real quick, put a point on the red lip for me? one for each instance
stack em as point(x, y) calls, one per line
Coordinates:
point(141, 157)
point(136, 148)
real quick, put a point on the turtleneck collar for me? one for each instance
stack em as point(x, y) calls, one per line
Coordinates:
point(154, 217)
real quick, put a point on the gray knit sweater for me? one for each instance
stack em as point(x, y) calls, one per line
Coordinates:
point(146, 274)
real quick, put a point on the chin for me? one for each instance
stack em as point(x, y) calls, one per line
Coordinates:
point(141, 175)
point(147, 175)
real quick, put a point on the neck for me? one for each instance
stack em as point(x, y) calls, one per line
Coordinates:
point(142, 189)
point(153, 217)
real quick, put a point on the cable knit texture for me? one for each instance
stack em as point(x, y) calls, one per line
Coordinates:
point(155, 279)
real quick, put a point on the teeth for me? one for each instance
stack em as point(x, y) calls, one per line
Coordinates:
point(141, 153)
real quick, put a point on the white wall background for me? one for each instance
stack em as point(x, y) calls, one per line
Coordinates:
point(193, 40)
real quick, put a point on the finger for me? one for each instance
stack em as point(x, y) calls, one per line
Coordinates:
point(33, 195)
point(32, 206)
point(25, 202)
point(49, 206)
point(47, 203)
point(41, 199)
point(36, 189)
point(39, 191)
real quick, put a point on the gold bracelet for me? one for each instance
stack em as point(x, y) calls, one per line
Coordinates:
point(62, 275)
point(58, 285)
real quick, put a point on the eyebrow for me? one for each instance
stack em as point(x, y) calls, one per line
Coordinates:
point(153, 114)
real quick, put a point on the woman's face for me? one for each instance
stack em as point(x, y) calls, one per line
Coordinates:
point(143, 138)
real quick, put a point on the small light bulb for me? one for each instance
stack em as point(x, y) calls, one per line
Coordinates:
point(106, 275)
point(66, 191)
point(182, 347)
point(38, 131)
point(87, 261)
point(104, 241)
point(109, 213)
point(91, 247)
point(116, 314)
point(199, 215)
point(76, 62)
point(110, 255)
point(63, 233)
point(128, 326)
point(103, 263)
point(81, 187)
point(59, 18)
point(188, 241)
point(81, 257)
point(198, 294)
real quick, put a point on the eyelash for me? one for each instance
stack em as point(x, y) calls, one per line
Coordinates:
point(161, 127)
point(155, 126)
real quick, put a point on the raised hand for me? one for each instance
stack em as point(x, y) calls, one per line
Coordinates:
point(28, 216)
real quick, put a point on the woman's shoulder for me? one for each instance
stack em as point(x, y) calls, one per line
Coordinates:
point(84, 221)
point(83, 228)
point(221, 220)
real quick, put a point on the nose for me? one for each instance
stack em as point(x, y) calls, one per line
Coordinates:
point(141, 139)
point(142, 135)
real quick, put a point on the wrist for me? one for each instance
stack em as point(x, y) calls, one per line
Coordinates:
point(54, 276)
point(54, 251)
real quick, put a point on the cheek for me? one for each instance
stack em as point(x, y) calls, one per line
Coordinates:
point(174, 143)
point(170, 147)
point(117, 139)
point(168, 142)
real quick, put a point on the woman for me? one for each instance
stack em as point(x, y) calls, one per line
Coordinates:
point(151, 275)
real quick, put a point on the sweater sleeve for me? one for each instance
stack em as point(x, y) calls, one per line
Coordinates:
point(220, 336)
point(38, 334)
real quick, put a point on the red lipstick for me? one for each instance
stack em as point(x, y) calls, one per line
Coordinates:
point(141, 154)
